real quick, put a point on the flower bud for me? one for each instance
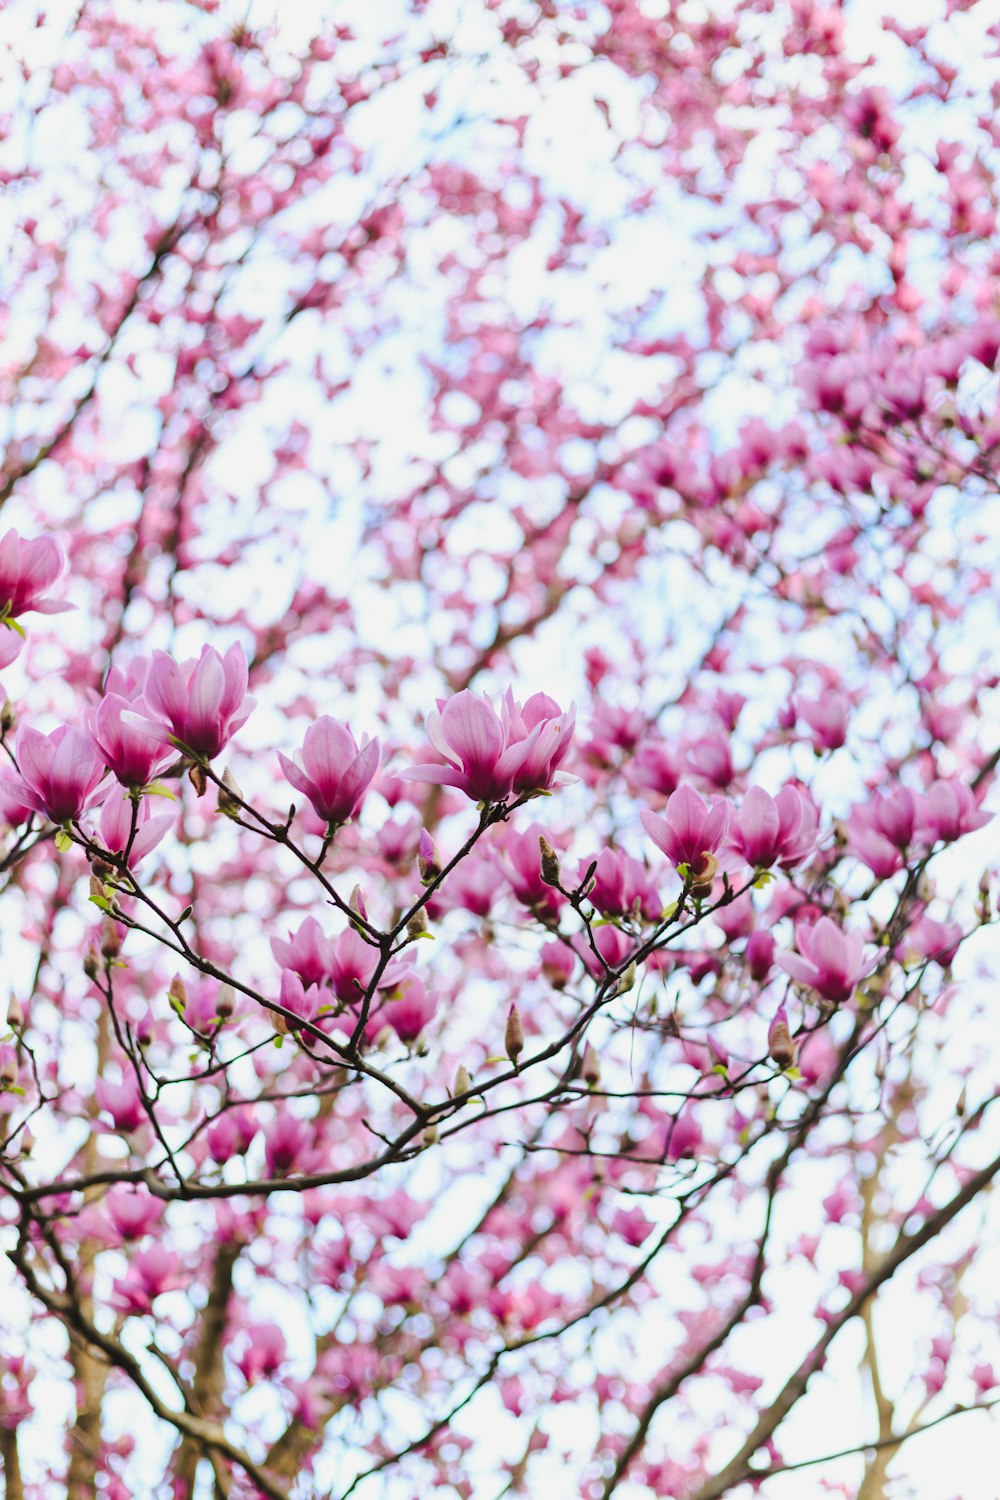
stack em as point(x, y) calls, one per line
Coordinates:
point(513, 1037)
point(225, 1002)
point(230, 795)
point(430, 1135)
point(416, 927)
point(591, 1069)
point(111, 940)
point(27, 1141)
point(427, 859)
point(551, 873)
point(780, 1045)
point(463, 1082)
point(92, 962)
point(15, 1013)
point(198, 779)
point(177, 994)
point(8, 718)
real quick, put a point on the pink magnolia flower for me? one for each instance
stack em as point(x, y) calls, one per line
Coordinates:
point(59, 772)
point(487, 755)
point(308, 952)
point(621, 883)
point(204, 702)
point(332, 770)
point(116, 826)
point(949, 810)
point(264, 1354)
point(689, 829)
point(352, 964)
point(131, 745)
point(407, 1009)
point(27, 569)
point(829, 960)
point(151, 1273)
point(775, 830)
point(827, 718)
point(122, 1101)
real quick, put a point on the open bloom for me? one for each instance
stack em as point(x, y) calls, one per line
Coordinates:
point(829, 960)
point(689, 830)
point(132, 746)
point(59, 772)
point(331, 769)
point(116, 826)
point(27, 569)
point(775, 830)
point(950, 810)
point(488, 755)
point(205, 701)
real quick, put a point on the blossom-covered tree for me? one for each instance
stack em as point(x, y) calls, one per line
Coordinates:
point(496, 902)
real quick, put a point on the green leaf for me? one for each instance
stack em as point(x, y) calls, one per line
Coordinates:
point(63, 841)
point(102, 903)
point(157, 789)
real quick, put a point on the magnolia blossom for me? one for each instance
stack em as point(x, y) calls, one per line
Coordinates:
point(116, 826)
point(332, 770)
point(950, 810)
point(60, 772)
point(27, 569)
point(829, 960)
point(204, 702)
point(131, 745)
point(489, 755)
point(775, 830)
point(689, 830)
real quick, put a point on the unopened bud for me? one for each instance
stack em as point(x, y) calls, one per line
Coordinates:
point(962, 1103)
point(983, 905)
point(225, 1002)
point(101, 870)
point(430, 1135)
point(357, 903)
point(15, 1014)
point(91, 962)
point(111, 938)
point(551, 873)
point(427, 859)
point(627, 980)
point(27, 1141)
point(198, 779)
point(8, 1067)
point(780, 1046)
point(177, 994)
point(8, 718)
point(513, 1036)
point(97, 889)
point(230, 795)
point(463, 1082)
point(416, 927)
point(702, 875)
point(591, 1066)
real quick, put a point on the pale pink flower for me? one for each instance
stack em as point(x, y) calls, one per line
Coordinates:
point(829, 960)
point(204, 702)
point(59, 772)
point(689, 829)
point(487, 755)
point(332, 770)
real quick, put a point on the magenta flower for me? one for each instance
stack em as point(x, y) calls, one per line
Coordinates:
point(59, 772)
point(352, 964)
point(689, 829)
point(775, 830)
point(308, 952)
point(131, 745)
point(488, 756)
point(827, 718)
point(331, 769)
point(27, 569)
point(948, 811)
point(204, 702)
point(122, 1101)
point(116, 826)
point(829, 960)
